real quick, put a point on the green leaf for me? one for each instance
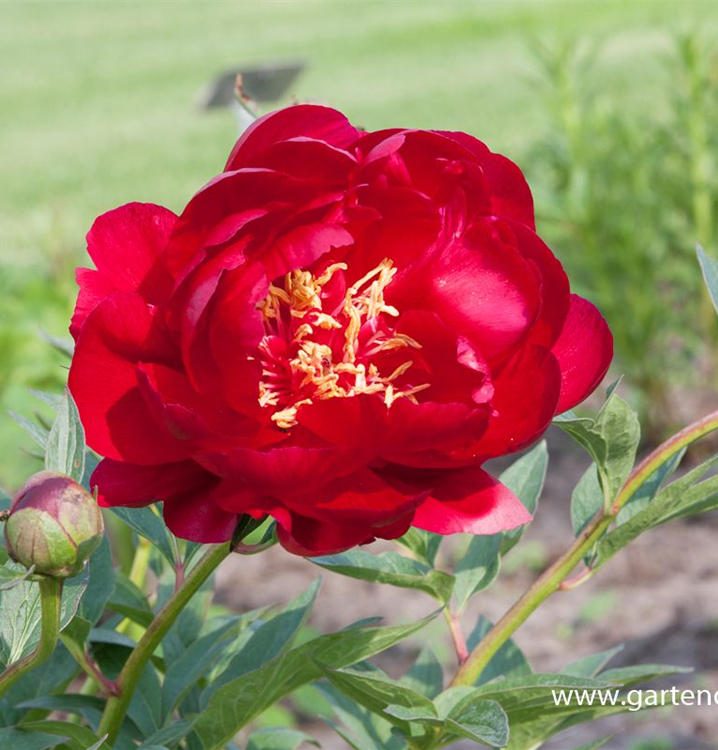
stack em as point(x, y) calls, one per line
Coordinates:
point(586, 499)
point(83, 736)
point(269, 640)
point(146, 523)
point(278, 739)
point(364, 730)
point(241, 700)
point(525, 478)
point(168, 736)
point(20, 615)
point(52, 676)
point(146, 706)
point(508, 661)
point(128, 601)
point(12, 575)
point(709, 267)
point(426, 675)
point(100, 583)
point(18, 739)
point(36, 432)
point(64, 345)
point(422, 544)
point(195, 663)
point(375, 691)
point(390, 568)
point(65, 450)
point(611, 440)
point(684, 497)
point(483, 721)
point(477, 569)
point(590, 666)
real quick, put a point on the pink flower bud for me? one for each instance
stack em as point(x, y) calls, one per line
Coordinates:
point(54, 524)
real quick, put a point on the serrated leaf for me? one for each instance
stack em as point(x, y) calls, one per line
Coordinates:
point(426, 675)
point(145, 522)
point(278, 739)
point(65, 449)
point(20, 614)
point(241, 700)
point(709, 268)
point(525, 478)
point(611, 440)
point(389, 568)
point(477, 569)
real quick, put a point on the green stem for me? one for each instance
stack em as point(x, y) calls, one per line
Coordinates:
point(552, 579)
point(51, 605)
point(117, 706)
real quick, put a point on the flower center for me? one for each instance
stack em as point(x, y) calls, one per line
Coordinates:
point(325, 342)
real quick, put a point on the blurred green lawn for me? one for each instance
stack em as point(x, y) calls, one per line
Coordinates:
point(97, 109)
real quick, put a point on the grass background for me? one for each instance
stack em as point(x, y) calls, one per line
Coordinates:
point(97, 109)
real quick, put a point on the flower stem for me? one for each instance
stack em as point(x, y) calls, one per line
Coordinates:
point(553, 578)
point(117, 706)
point(51, 605)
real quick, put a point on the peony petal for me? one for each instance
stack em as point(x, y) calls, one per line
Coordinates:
point(363, 498)
point(198, 518)
point(310, 538)
point(479, 286)
point(311, 120)
point(470, 501)
point(283, 471)
point(510, 194)
point(132, 485)
point(526, 394)
point(584, 352)
point(125, 245)
point(119, 333)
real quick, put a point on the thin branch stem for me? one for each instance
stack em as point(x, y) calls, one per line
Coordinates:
point(51, 605)
point(555, 576)
point(116, 707)
point(457, 635)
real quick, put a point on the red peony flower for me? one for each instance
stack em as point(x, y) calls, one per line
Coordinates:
point(337, 331)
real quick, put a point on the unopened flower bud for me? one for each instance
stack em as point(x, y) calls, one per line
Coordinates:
point(54, 524)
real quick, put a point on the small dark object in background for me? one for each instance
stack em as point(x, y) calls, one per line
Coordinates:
point(263, 83)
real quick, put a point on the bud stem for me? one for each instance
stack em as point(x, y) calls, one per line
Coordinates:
point(51, 605)
point(117, 706)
